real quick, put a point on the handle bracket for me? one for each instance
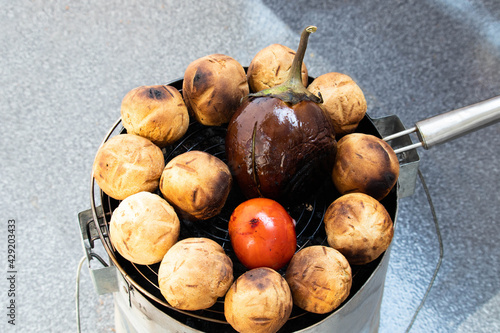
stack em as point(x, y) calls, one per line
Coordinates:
point(104, 275)
point(408, 159)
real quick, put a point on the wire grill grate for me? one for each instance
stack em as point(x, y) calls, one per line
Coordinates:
point(309, 229)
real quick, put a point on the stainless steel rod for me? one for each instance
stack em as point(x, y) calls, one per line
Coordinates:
point(451, 125)
point(409, 147)
point(400, 134)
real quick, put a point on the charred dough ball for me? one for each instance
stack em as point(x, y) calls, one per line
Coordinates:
point(343, 101)
point(143, 228)
point(270, 67)
point(320, 278)
point(365, 164)
point(197, 184)
point(359, 227)
point(157, 113)
point(213, 88)
point(259, 301)
point(194, 273)
point(127, 164)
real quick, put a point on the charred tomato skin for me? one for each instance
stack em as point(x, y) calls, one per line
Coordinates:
point(279, 151)
point(262, 234)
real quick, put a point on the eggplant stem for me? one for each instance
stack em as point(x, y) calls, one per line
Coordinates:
point(296, 69)
point(293, 90)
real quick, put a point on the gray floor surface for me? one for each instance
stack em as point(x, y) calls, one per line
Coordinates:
point(65, 66)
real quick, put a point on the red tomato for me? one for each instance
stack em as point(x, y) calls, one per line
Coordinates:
point(262, 234)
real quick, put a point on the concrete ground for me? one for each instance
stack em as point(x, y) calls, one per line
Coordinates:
point(65, 66)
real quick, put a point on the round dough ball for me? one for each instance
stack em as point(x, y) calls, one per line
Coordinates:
point(213, 88)
point(194, 273)
point(157, 113)
point(143, 228)
point(197, 184)
point(127, 164)
point(320, 278)
point(259, 301)
point(270, 67)
point(365, 164)
point(359, 227)
point(343, 101)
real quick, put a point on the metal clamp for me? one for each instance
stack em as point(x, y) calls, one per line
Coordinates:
point(103, 277)
point(408, 160)
point(450, 125)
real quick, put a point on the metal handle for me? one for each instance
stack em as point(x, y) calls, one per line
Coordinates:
point(453, 124)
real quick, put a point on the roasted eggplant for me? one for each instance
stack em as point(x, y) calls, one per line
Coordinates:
point(280, 144)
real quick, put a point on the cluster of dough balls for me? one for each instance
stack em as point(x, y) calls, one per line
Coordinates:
point(195, 272)
point(152, 195)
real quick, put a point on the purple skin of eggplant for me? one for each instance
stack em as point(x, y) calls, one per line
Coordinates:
point(280, 144)
point(279, 151)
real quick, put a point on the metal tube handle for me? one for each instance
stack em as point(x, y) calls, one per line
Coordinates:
point(453, 124)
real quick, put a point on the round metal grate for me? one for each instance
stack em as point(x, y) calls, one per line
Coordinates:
point(309, 228)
